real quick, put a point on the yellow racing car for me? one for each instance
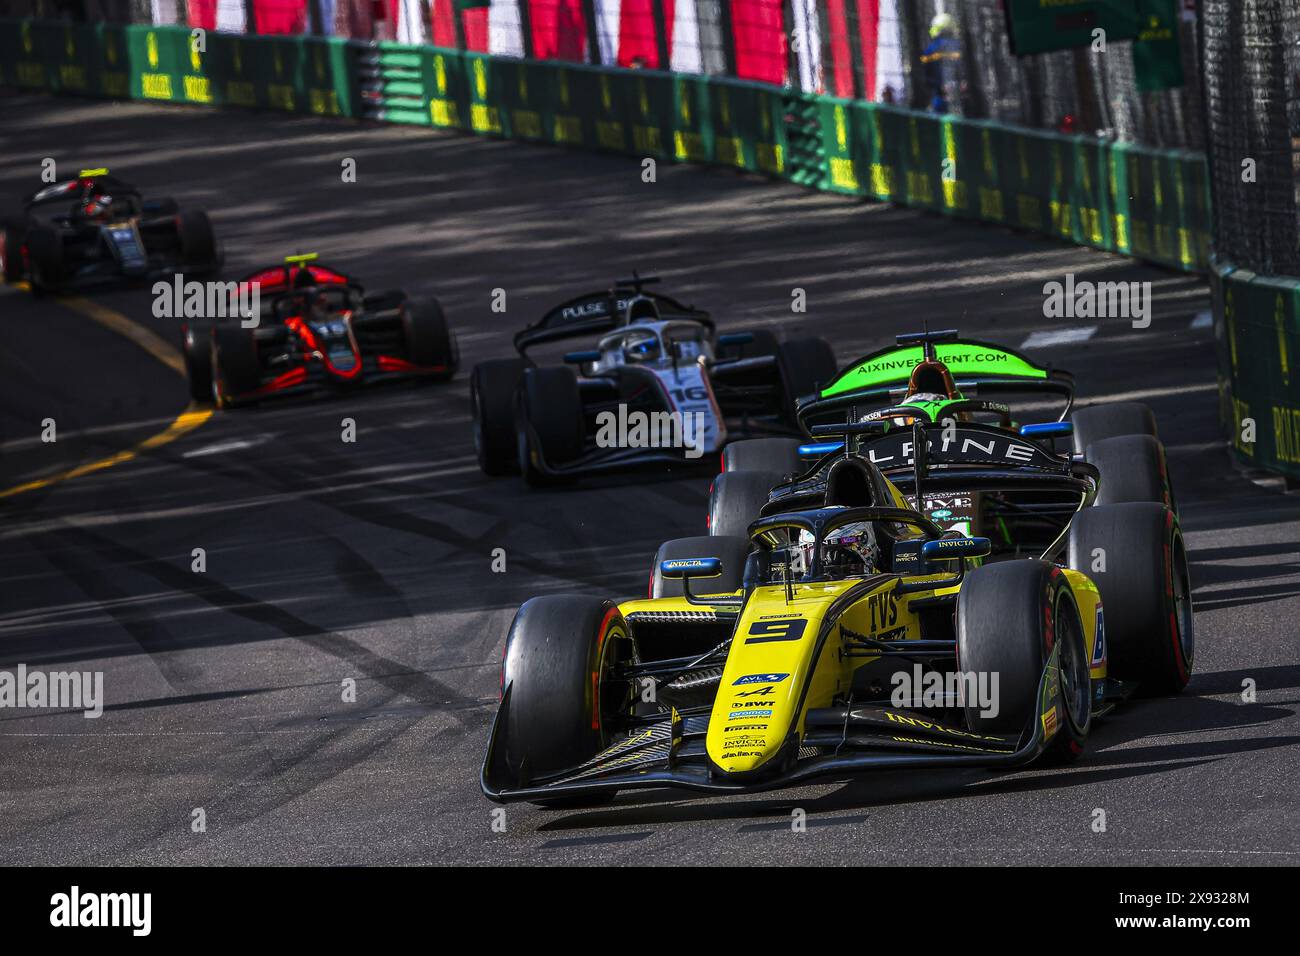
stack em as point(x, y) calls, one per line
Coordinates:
point(832, 640)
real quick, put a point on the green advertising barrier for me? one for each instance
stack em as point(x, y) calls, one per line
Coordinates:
point(1257, 327)
point(1148, 203)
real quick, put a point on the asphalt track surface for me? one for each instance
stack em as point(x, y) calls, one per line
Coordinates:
point(372, 561)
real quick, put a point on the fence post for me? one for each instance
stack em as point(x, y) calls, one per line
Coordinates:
point(593, 39)
point(525, 28)
point(664, 54)
point(854, 28)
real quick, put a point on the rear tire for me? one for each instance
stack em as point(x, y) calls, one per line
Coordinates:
point(551, 427)
point(735, 499)
point(492, 389)
point(1133, 468)
point(1009, 616)
point(730, 550)
point(780, 455)
point(45, 259)
point(1134, 553)
point(198, 241)
point(196, 349)
point(12, 234)
point(1106, 421)
point(557, 644)
point(809, 365)
point(429, 340)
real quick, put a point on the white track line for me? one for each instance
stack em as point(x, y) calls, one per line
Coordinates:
point(1040, 340)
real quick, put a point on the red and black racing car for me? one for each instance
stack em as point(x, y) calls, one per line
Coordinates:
point(313, 327)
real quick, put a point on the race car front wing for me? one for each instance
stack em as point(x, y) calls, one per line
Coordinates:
point(838, 741)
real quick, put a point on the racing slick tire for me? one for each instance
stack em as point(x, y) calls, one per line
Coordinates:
point(198, 241)
point(730, 550)
point(1134, 553)
point(429, 340)
point(492, 388)
point(45, 259)
point(1009, 616)
point(235, 366)
point(1132, 468)
point(550, 425)
point(557, 644)
point(763, 454)
point(809, 365)
point(735, 499)
point(12, 233)
point(196, 350)
point(1106, 421)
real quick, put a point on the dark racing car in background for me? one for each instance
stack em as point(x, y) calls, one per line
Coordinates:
point(656, 363)
point(315, 327)
point(97, 229)
point(966, 465)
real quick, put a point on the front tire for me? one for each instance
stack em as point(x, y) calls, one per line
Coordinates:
point(1134, 553)
point(779, 455)
point(236, 370)
point(1010, 616)
point(492, 389)
point(196, 350)
point(551, 427)
point(197, 239)
point(809, 365)
point(1109, 420)
point(560, 656)
point(735, 499)
point(430, 342)
point(1133, 468)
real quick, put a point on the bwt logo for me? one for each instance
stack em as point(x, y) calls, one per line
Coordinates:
point(75, 909)
point(628, 429)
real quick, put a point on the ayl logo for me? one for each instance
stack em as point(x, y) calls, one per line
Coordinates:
point(179, 299)
point(630, 429)
point(75, 909)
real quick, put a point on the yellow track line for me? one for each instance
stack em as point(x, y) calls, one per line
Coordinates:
point(191, 418)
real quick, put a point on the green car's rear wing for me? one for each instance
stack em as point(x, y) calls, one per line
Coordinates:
point(976, 367)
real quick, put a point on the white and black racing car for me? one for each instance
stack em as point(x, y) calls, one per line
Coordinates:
point(661, 386)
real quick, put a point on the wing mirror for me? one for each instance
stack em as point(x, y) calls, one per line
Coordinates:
point(950, 549)
point(581, 358)
point(1047, 430)
point(819, 449)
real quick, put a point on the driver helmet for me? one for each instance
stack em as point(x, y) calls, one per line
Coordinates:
point(641, 349)
point(851, 550)
point(96, 207)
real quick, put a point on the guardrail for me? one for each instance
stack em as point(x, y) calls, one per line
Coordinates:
point(1148, 203)
point(1257, 325)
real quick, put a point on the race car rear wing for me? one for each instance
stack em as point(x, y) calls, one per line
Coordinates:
point(596, 313)
point(978, 368)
